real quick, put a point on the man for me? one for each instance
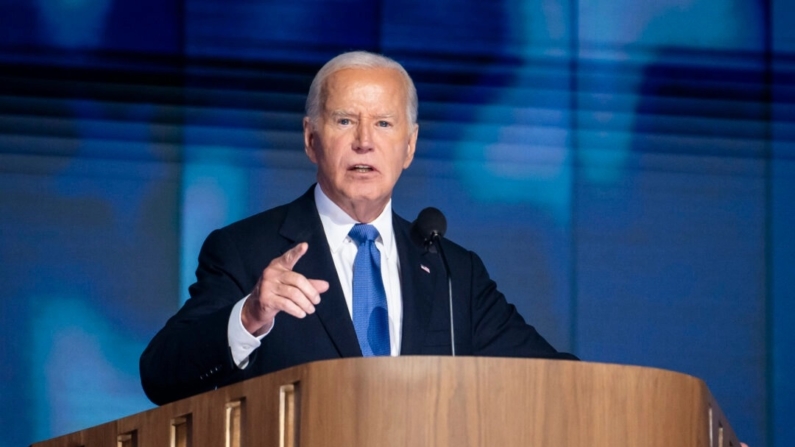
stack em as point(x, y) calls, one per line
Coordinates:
point(334, 273)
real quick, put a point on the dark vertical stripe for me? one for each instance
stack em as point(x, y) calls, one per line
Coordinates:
point(378, 38)
point(182, 29)
point(574, 48)
point(770, 360)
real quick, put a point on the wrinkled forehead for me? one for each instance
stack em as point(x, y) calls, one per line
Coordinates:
point(384, 86)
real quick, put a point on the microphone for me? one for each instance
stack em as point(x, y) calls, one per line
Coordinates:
point(429, 224)
point(427, 231)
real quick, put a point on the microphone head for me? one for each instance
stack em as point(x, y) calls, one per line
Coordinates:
point(430, 222)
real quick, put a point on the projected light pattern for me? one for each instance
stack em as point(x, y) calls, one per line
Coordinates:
point(714, 25)
point(69, 339)
point(623, 168)
point(517, 147)
point(74, 23)
point(214, 196)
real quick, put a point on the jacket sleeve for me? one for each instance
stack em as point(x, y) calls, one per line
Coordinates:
point(190, 354)
point(498, 330)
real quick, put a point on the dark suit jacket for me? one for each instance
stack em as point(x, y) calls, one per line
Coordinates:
point(191, 355)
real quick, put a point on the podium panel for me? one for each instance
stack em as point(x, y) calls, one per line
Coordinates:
point(433, 401)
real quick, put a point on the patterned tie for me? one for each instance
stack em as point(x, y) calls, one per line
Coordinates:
point(369, 298)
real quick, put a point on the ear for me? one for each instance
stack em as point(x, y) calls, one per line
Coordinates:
point(309, 140)
point(411, 147)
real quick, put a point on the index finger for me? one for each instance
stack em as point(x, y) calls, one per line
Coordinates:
point(291, 256)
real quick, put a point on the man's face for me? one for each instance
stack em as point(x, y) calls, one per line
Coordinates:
point(362, 140)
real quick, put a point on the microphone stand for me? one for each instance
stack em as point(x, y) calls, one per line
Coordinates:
point(436, 238)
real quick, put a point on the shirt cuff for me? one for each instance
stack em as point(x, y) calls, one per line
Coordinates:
point(241, 342)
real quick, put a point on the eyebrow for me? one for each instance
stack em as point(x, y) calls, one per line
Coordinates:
point(338, 113)
point(347, 113)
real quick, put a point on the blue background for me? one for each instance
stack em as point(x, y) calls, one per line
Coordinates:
point(626, 169)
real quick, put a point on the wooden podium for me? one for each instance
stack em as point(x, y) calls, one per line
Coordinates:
point(433, 401)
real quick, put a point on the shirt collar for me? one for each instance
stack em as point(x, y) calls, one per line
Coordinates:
point(337, 223)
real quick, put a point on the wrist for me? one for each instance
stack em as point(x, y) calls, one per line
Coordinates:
point(255, 326)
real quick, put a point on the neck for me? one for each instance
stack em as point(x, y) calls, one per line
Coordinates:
point(364, 211)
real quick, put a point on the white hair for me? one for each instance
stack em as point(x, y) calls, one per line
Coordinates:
point(357, 59)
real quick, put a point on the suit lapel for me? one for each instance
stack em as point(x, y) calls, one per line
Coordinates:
point(419, 272)
point(302, 224)
point(417, 278)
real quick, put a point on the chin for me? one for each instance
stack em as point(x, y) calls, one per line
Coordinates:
point(364, 191)
point(361, 198)
point(367, 196)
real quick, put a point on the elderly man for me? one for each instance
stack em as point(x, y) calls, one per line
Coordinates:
point(334, 273)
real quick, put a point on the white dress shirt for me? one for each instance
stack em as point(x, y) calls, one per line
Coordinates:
point(337, 224)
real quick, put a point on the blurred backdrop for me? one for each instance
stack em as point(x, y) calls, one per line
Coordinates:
point(625, 168)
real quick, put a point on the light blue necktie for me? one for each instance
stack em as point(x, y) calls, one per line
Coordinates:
point(370, 318)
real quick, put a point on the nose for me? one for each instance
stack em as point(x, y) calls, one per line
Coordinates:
point(364, 138)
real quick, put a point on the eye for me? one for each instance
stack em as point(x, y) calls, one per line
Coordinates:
point(343, 121)
point(383, 123)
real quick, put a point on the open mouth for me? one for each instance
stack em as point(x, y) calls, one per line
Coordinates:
point(362, 168)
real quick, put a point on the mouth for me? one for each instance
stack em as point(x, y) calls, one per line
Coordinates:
point(361, 168)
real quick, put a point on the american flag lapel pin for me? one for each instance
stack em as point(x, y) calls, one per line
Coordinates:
point(425, 268)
